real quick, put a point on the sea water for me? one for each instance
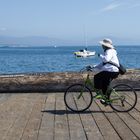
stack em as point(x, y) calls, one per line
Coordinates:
point(58, 59)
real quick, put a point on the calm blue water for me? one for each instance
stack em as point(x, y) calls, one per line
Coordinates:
point(60, 59)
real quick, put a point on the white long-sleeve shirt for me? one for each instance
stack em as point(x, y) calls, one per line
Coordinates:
point(110, 55)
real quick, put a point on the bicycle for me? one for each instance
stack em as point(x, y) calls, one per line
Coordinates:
point(79, 97)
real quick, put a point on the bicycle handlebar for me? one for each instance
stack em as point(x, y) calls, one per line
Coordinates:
point(87, 69)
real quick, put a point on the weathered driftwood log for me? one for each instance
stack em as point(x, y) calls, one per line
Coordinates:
point(56, 82)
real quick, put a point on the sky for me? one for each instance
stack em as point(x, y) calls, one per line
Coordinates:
point(71, 19)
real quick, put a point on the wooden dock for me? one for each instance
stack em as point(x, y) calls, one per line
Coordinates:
point(43, 116)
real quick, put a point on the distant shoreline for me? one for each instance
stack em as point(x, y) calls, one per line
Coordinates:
point(35, 46)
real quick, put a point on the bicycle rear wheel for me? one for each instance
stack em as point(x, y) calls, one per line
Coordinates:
point(78, 98)
point(123, 98)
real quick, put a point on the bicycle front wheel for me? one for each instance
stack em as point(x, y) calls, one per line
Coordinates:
point(78, 98)
point(123, 98)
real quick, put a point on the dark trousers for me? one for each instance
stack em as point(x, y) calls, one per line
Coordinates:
point(103, 79)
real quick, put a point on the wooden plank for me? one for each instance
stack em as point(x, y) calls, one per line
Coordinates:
point(47, 126)
point(133, 125)
point(4, 97)
point(132, 118)
point(90, 128)
point(10, 110)
point(104, 125)
point(21, 118)
point(33, 125)
point(118, 124)
point(75, 126)
point(135, 114)
point(138, 101)
point(61, 123)
point(16, 130)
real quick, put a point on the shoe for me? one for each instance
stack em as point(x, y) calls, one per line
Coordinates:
point(102, 101)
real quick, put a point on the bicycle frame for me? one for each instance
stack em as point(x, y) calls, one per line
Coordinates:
point(118, 96)
point(88, 82)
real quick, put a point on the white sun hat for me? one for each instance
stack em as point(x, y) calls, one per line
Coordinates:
point(107, 42)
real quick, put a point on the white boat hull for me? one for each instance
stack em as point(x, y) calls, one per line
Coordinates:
point(84, 54)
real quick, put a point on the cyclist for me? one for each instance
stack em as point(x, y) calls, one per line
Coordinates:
point(107, 71)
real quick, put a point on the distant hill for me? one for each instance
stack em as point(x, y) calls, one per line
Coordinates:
point(46, 41)
point(30, 40)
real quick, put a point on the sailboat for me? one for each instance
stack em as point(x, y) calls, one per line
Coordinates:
point(84, 52)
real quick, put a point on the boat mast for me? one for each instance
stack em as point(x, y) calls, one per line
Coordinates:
point(85, 36)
